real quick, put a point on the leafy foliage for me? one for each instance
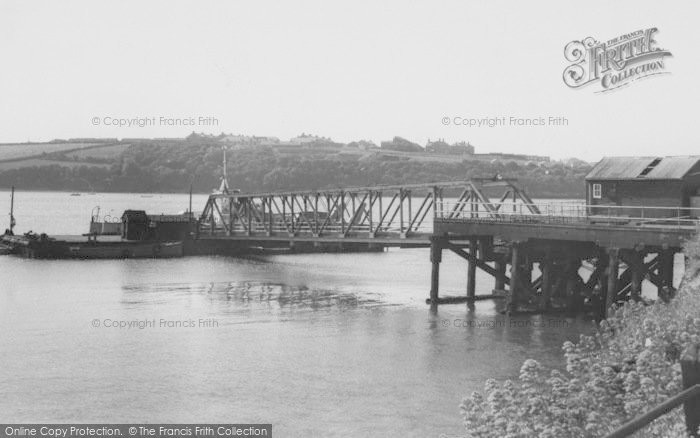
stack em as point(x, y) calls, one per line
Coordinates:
point(629, 366)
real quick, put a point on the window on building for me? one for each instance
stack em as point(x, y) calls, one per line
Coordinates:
point(597, 191)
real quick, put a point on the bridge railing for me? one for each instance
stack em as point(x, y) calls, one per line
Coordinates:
point(569, 213)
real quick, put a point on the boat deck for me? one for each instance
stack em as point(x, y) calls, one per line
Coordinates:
point(75, 238)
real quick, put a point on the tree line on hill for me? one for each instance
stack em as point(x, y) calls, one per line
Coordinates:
point(163, 166)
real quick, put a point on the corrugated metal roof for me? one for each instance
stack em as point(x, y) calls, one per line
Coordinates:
point(617, 168)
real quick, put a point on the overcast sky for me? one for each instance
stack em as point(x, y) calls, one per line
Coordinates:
point(347, 70)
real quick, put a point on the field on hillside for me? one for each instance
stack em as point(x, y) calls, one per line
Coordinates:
point(103, 152)
point(20, 150)
point(348, 152)
point(38, 162)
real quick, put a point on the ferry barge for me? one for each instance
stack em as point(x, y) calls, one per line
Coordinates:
point(138, 235)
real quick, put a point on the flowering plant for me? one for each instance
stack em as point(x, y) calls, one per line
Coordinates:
point(630, 365)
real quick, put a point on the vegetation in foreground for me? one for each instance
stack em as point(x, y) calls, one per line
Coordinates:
point(631, 365)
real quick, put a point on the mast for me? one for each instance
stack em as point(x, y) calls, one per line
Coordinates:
point(224, 179)
point(12, 210)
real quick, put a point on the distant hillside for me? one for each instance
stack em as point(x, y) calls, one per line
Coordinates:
point(16, 151)
point(170, 165)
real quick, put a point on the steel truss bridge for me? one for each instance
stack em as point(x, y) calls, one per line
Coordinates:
point(491, 223)
point(386, 215)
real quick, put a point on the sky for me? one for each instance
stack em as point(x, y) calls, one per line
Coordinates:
point(348, 70)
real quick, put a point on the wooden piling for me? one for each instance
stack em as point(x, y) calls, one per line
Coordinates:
point(500, 268)
point(602, 284)
point(435, 259)
point(637, 267)
point(546, 268)
point(485, 248)
point(471, 269)
point(515, 276)
point(573, 289)
point(613, 272)
point(690, 367)
point(666, 267)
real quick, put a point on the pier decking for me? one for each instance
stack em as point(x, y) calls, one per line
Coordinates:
point(623, 245)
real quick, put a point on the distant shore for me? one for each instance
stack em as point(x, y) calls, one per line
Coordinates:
point(173, 165)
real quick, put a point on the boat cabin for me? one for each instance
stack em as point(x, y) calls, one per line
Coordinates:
point(137, 225)
point(620, 186)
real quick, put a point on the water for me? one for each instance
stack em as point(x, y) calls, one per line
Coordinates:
point(317, 345)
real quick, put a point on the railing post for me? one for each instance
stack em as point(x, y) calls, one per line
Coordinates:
point(690, 367)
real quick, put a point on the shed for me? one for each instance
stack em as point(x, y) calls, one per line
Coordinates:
point(134, 225)
point(668, 183)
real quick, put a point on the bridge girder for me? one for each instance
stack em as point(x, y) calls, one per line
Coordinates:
point(380, 211)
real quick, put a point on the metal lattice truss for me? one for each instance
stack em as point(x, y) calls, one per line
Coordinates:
point(367, 212)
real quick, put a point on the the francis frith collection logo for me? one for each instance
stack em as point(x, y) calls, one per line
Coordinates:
point(614, 63)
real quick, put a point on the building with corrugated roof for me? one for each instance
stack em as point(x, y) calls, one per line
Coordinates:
point(645, 181)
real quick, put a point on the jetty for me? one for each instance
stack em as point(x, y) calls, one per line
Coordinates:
point(637, 215)
point(582, 256)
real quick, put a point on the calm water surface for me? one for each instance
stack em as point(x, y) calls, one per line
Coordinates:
point(317, 345)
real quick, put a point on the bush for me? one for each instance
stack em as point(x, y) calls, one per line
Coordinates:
point(629, 366)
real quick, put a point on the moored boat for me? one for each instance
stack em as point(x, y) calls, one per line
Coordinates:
point(42, 246)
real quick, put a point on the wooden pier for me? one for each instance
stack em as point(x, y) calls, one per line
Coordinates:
point(490, 223)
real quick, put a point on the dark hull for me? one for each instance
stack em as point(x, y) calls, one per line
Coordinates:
point(84, 249)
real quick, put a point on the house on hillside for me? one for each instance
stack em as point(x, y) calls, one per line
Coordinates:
point(363, 145)
point(401, 144)
point(442, 147)
point(249, 140)
point(309, 139)
point(645, 181)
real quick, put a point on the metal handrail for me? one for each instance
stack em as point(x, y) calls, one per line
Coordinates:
point(667, 406)
point(506, 210)
point(576, 205)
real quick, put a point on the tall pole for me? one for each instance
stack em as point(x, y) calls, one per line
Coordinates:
point(12, 210)
point(225, 176)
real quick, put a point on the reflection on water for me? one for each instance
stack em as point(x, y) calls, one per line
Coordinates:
point(273, 298)
point(316, 344)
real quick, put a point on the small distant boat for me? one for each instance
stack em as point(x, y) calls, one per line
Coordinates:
point(146, 196)
point(75, 194)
